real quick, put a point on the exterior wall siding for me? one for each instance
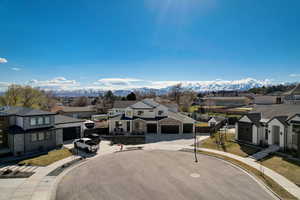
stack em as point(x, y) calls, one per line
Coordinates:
point(44, 145)
point(282, 132)
point(254, 134)
point(18, 144)
point(59, 137)
point(27, 125)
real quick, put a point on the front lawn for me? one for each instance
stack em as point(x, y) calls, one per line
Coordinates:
point(290, 169)
point(47, 159)
point(229, 145)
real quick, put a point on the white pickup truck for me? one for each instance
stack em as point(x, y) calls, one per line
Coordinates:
point(86, 144)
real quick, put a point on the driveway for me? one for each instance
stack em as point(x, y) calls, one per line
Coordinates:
point(157, 174)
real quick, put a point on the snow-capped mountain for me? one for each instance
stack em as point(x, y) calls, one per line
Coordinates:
point(197, 86)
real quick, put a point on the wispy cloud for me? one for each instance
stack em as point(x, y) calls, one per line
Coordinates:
point(15, 68)
point(294, 75)
point(55, 83)
point(3, 60)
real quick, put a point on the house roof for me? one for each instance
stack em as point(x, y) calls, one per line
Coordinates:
point(270, 111)
point(141, 105)
point(180, 117)
point(123, 104)
point(226, 98)
point(294, 91)
point(281, 119)
point(264, 100)
point(123, 117)
point(254, 117)
point(74, 109)
point(174, 115)
point(219, 119)
point(61, 119)
point(22, 111)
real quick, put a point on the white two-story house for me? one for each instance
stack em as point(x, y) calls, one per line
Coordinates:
point(153, 120)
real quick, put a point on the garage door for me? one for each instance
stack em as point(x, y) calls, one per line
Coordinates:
point(245, 132)
point(169, 129)
point(71, 133)
point(187, 128)
point(151, 128)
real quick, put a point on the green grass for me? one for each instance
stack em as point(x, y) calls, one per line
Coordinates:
point(228, 145)
point(290, 169)
point(267, 180)
point(47, 159)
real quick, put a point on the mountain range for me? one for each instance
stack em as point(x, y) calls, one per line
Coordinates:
point(197, 86)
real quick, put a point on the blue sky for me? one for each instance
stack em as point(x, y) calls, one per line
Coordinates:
point(90, 43)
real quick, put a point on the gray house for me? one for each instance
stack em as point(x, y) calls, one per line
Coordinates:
point(25, 130)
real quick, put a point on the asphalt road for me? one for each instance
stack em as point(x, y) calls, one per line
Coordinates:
point(158, 175)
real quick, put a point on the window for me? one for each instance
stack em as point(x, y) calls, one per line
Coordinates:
point(40, 121)
point(266, 134)
point(118, 124)
point(32, 121)
point(33, 137)
point(47, 120)
point(48, 135)
point(160, 112)
point(128, 126)
point(41, 136)
point(140, 112)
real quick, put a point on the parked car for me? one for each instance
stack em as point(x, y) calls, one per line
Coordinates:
point(86, 144)
point(95, 137)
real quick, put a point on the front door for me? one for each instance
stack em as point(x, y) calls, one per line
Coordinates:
point(275, 131)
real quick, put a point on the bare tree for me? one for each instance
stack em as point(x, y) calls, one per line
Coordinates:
point(26, 96)
point(176, 92)
point(186, 100)
point(81, 101)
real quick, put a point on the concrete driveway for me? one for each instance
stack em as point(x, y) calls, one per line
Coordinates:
point(157, 174)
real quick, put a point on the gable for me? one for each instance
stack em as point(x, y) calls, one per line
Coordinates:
point(212, 120)
point(275, 121)
point(245, 119)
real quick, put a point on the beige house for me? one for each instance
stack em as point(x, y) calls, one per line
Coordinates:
point(152, 120)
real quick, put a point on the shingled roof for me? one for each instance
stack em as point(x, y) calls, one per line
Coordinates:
point(22, 111)
point(270, 111)
point(123, 104)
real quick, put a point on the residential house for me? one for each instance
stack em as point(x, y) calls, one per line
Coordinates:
point(119, 107)
point(214, 121)
point(152, 120)
point(227, 101)
point(76, 112)
point(25, 130)
point(293, 96)
point(276, 124)
point(267, 100)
